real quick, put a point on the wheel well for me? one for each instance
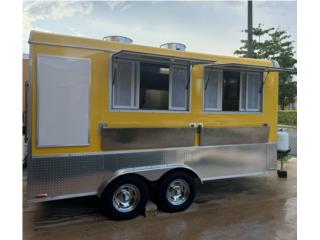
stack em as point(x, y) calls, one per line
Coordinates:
point(105, 184)
point(181, 169)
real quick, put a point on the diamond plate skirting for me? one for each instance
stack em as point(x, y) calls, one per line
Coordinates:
point(79, 175)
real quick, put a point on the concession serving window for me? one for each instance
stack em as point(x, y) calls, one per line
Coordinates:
point(151, 82)
point(232, 87)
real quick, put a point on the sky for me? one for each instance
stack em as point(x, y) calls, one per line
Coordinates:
point(213, 27)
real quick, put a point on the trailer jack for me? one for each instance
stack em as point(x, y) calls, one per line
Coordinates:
point(281, 155)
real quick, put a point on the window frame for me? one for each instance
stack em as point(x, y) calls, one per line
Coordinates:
point(112, 107)
point(245, 111)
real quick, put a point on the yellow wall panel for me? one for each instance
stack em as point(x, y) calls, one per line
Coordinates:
point(100, 92)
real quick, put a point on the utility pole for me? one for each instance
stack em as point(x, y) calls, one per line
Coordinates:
point(250, 40)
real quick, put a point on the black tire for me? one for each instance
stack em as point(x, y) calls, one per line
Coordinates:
point(279, 173)
point(282, 174)
point(110, 193)
point(163, 186)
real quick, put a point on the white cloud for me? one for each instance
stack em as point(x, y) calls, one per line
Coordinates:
point(38, 10)
point(118, 5)
point(41, 10)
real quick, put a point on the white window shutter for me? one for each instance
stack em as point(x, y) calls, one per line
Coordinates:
point(243, 87)
point(63, 117)
point(125, 89)
point(179, 87)
point(253, 95)
point(213, 90)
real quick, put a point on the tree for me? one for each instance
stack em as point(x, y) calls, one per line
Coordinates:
point(287, 93)
point(274, 44)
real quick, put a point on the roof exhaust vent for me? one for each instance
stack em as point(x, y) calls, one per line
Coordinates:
point(120, 39)
point(174, 46)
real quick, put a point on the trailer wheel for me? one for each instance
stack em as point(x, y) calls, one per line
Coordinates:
point(125, 197)
point(176, 192)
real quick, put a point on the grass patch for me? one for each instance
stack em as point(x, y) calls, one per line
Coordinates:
point(286, 126)
point(287, 117)
point(287, 158)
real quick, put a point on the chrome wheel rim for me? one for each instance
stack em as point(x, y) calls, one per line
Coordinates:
point(178, 192)
point(126, 198)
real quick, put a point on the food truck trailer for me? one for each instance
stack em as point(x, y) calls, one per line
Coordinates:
point(115, 119)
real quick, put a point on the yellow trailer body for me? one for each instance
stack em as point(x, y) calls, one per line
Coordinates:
point(222, 123)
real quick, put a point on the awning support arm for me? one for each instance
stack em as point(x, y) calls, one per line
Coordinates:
point(114, 72)
point(206, 83)
point(264, 81)
point(188, 80)
point(187, 85)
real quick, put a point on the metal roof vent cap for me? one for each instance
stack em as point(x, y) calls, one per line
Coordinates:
point(174, 46)
point(120, 39)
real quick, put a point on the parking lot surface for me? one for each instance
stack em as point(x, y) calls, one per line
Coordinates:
point(257, 207)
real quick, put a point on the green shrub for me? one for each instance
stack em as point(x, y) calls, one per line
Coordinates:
point(287, 117)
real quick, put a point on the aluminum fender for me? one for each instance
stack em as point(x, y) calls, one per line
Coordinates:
point(151, 173)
